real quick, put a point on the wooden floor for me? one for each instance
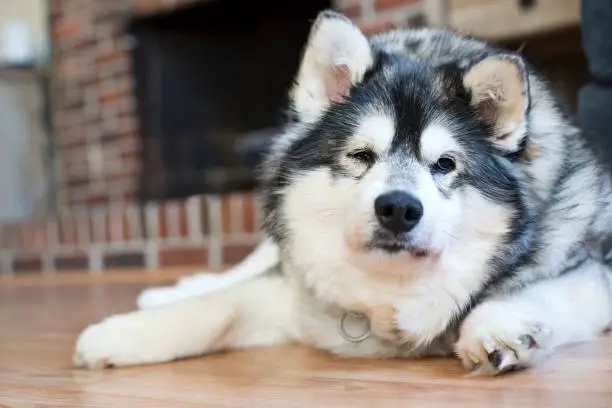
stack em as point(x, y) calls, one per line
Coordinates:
point(40, 320)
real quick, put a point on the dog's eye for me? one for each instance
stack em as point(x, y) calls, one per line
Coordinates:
point(444, 165)
point(364, 156)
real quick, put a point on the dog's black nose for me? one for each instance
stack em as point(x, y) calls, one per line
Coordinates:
point(398, 211)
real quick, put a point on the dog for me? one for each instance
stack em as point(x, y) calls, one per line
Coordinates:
point(429, 198)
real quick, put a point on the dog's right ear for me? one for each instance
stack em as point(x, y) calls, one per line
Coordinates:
point(499, 86)
point(336, 58)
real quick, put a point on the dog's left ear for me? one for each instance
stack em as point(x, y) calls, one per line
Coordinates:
point(336, 57)
point(499, 88)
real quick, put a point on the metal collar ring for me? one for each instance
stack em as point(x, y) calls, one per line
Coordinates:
point(348, 337)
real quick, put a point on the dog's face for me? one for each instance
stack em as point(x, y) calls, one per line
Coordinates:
point(401, 157)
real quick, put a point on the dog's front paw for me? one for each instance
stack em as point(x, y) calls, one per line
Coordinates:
point(114, 342)
point(498, 337)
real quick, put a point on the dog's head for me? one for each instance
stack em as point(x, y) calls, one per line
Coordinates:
point(396, 155)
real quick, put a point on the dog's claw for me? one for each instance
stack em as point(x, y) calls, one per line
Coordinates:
point(475, 360)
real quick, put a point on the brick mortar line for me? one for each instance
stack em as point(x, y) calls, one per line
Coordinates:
point(216, 231)
point(151, 256)
point(193, 214)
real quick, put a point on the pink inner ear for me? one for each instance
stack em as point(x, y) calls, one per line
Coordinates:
point(487, 110)
point(338, 83)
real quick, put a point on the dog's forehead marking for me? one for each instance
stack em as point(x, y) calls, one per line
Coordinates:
point(436, 140)
point(376, 130)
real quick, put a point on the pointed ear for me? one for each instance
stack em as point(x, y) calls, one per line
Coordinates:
point(336, 58)
point(499, 88)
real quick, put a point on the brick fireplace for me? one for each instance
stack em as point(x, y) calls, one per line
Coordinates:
point(161, 108)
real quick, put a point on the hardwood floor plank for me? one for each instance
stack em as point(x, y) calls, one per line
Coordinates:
point(39, 324)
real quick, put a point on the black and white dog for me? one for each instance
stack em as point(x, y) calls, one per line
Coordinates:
point(431, 199)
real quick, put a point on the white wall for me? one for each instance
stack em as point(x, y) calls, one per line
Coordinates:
point(34, 13)
point(23, 179)
point(22, 174)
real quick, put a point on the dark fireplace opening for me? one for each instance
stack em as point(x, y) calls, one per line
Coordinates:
point(211, 85)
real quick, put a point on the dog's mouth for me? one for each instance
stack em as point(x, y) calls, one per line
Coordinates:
point(398, 245)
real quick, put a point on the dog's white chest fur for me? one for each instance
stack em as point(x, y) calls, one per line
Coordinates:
point(413, 300)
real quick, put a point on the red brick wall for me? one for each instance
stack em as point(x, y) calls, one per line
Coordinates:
point(199, 231)
point(95, 130)
point(95, 126)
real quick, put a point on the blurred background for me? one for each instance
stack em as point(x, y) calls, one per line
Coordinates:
point(130, 129)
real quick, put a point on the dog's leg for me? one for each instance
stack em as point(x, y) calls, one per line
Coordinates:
point(515, 331)
point(260, 312)
point(263, 258)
